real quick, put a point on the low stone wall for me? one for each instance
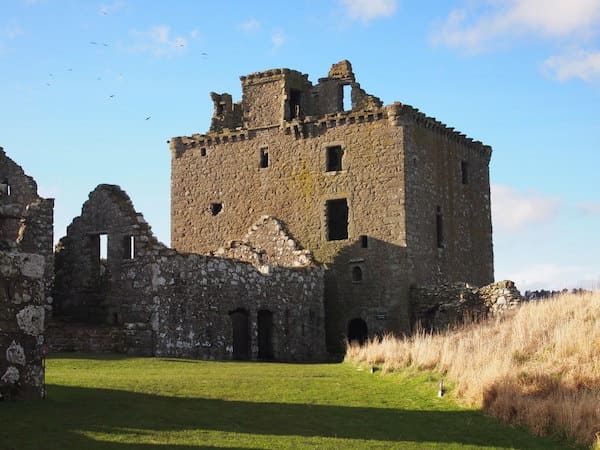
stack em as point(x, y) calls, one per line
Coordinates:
point(189, 301)
point(438, 307)
point(22, 314)
point(500, 296)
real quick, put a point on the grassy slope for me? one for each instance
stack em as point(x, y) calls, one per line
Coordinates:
point(538, 367)
point(142, 403)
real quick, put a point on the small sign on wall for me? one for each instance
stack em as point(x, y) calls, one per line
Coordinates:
point(381, 316)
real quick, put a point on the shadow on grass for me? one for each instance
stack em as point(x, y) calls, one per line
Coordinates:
point(69, 412)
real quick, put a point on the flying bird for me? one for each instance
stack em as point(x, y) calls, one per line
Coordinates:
point(111, 96)
point(148, 118)
point(93, 43)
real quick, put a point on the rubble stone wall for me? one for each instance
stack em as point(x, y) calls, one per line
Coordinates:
point(22, 314)
point(26, 272)
point(437, 307)
point(155, 301)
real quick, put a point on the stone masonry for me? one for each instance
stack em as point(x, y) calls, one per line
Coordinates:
point(384, 197)
point(26, 222)
point(144, 298)
point(437, 307)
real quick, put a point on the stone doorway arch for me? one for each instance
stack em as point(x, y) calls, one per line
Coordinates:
point(357, 331)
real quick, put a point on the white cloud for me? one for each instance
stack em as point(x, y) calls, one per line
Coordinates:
point(250, 26)
point(366, 10)
point(159, 42)
point(552, 276)
point(513, 210)
point(577, 64)
point(277, 39)
point(589, 208)
point(473, 29)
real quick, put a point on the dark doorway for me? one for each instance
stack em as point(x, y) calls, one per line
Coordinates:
point(241, 337)
point(357, 331)
point(265, 334)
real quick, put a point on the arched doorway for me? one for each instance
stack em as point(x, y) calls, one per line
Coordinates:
point(265, 334)
point(241, 337)
point(357, 331)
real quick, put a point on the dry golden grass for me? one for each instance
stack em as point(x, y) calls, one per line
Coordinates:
point(537, 366)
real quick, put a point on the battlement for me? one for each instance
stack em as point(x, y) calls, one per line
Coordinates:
point(397, 114)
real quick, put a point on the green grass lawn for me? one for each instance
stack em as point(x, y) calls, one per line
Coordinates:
point(115, 402)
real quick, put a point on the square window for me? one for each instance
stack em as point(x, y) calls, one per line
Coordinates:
point(334, 158)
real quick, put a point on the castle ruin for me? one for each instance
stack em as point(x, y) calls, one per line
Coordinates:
point(385, 197)
point(300, 220)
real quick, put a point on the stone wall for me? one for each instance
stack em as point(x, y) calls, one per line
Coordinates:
point(22, 313)
point(437, 307)
point(171, 304)
point(190, 300)
point(26, 234)
point(221, 181)
point(447, 187)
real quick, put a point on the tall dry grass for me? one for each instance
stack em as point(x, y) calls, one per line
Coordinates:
point(537, 366)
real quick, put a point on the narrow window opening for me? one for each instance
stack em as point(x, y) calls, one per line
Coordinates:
point(364, 241)
point(295, 101)
point(347, 97)
point(203, 151)
point(439, 224)
point(464, 170)
point(334, 158)
point(216, 208)
point(264, 158)
point(129, 247)
point(103, 247)
point(115, 318)
point(337, 219)
point(5, 187)
point(219, 109)
point(357, 274)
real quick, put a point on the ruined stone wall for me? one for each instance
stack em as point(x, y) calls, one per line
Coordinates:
point(189, 300)
point(436, 157)
point(22, 313)
point(26, 268)
point(160, 302)
point(268, 242)
point(17, 190)
point(268, 91)
point(437, 307)
point(83, 279)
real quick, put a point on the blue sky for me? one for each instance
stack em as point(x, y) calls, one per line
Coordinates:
point(79, 78)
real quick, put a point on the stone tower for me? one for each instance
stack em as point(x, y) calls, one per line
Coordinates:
point(385, 197)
